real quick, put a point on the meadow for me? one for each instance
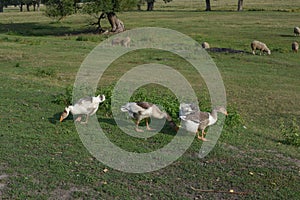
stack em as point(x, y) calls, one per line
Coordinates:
point(41, 158)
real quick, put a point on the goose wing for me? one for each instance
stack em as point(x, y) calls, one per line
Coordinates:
point(197, 117)
point(86, 106)
point(135, 107)
point(85, 101)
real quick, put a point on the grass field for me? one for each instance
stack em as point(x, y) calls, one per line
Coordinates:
point(41, 158)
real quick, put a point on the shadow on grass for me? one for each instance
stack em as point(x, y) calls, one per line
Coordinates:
point(226, 50)
point(289, 36)
point(54, 119)
point(165, 130)
point(38, 29)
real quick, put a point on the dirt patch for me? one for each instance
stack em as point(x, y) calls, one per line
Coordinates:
point(2, 182)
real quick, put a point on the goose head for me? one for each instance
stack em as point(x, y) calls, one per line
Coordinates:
point(221, 109)
point(101, 98)
point(65, 114)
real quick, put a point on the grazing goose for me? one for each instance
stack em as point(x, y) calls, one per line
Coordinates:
point(84, 106)
point(144, 110)
point(195, 120)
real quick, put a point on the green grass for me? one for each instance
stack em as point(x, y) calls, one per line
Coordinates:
point(43, 158)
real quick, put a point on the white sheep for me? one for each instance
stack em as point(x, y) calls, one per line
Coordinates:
point(295, 46)
point(205, 45)
point(259, 46)
point(116, 41)
point(297, 31)
point(125, 42)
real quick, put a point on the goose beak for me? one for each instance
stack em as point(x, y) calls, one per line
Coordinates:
point(61, 118)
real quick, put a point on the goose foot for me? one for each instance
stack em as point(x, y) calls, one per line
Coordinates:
point(78, 119)
point(202, 138)
point(150, 129)
point(138, 130)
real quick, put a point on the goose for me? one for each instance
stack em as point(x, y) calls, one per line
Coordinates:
point(144, 110)
point(85, 106)
point(195, 120)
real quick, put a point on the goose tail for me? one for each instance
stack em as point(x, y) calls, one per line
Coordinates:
point(125, 108)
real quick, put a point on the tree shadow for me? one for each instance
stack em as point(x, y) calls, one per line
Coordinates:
point(38, 29)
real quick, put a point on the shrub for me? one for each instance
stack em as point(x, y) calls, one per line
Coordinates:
point(234, 119)
point(64, 99)
point(290, 132)
point(40, 72)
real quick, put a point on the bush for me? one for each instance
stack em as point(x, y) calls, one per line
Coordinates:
point(290, 132)
point(234, 119)
point(45, 72)
point(59, 8)
point(64, 99)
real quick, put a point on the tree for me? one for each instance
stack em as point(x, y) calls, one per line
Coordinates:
point(150, 5)
point(101, 9)
point(59, 8)
point(1, 6)
point(208, 8)
point(240, 5)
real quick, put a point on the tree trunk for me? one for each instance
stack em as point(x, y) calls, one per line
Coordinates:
point(240, 5)
point(208, 8)
point(150, 5)
point(98, 23)
point(38, 5)
point(1, 7)
point(27, 7)
point(21, 7)
point(115, 23)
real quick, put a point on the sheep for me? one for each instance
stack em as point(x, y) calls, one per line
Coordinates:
point(125, 42)
point(295, 47)
point(205, 45)
point(260, 46)
point(297, 31)
point(116, 41)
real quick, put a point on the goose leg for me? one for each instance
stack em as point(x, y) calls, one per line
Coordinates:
point(78, 119)
point(86, 120)
point(202, 137)
point(137, 126)
point(148, 127)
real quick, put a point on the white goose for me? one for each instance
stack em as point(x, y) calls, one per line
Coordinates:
point(195, 120)
point(144, 110)
point(84, 106)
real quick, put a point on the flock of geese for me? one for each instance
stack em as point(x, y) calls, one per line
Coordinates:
point(193, 120)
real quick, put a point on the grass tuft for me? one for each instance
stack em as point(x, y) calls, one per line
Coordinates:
point(290, 131)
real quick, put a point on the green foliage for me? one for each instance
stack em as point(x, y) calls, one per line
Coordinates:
point(106, 105)
point(48, 72)
point(59, 9)
point(234, 119)
point(64, 98)
point(290, 131)
point(106, 6)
